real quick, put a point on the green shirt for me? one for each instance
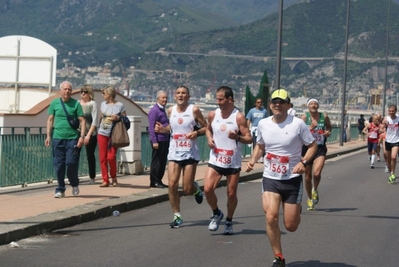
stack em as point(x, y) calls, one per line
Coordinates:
point(318, 132)
point(62, 129)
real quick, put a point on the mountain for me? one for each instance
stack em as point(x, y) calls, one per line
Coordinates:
point(312, 29)
point(103, 30)
point(95, 31)
point(243, 12)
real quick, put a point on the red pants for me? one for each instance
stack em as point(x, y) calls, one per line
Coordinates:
point(107, 155)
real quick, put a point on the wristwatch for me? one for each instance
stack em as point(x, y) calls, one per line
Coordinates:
point(304, 162)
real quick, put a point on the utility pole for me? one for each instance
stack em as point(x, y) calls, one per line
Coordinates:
point(344, 81)
point(279, 38)
point(386, 62)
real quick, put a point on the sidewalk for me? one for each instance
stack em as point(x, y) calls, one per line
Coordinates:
point(33, 210)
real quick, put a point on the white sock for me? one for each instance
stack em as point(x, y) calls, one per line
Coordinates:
point(372, 159)
point(177, 214)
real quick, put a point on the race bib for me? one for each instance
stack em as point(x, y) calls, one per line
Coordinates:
point(277, 166)
point(224, 157)
point(182, 144)
point(318, 136)
point(373, 135)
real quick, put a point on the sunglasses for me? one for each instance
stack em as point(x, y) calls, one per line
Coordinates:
point(279, 101)
point(84, 92)
point(258, 102)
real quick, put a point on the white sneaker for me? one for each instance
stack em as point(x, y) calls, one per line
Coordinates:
point(75, 191)
point(59, 195)
point(386, 169)
point(228, 228)
point(214, 224)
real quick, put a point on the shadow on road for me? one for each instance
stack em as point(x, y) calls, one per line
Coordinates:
point(319, 264)
point(336, 209)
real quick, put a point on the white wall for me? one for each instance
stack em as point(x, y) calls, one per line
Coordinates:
point(37, 115)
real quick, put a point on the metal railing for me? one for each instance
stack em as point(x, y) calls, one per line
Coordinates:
point(24, 159)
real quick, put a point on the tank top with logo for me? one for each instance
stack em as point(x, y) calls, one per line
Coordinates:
point(227, 152)
point(180, 147)
point(392, 133)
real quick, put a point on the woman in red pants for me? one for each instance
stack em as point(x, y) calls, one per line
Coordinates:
point(111, 110)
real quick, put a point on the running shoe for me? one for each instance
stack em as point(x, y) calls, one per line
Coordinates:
point(391, 178)
point(177, 222)
point(228, 228)
point(199, 196)
point(386, 169)
point(278, 262)
point(378, 159)
point(59, 195)
point(315, 196)
point(215, 221)
point(310, 204)
point(372, 166)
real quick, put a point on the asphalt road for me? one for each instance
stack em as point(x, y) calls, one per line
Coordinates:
point(355, 224)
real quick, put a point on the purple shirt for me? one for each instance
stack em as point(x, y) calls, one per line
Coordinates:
point(157, 114)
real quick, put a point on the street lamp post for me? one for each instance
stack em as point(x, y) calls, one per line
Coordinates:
point(344, 80)
point(279, 37)
point(386, 61)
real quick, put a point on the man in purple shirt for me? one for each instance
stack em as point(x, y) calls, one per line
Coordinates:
point(159, 141)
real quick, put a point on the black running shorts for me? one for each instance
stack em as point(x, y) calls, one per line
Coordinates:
point(291, 190)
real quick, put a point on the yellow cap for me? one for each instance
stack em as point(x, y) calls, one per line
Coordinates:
point(281, 94)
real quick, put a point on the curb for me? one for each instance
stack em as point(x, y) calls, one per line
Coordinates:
point(45, 223)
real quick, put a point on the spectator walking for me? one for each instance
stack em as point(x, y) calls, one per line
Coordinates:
point(111, 112)
point(346, 121)
point(89, 108)
point(253, 117)
point(66, 141)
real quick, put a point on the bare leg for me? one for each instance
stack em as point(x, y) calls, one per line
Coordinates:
point(173, 182)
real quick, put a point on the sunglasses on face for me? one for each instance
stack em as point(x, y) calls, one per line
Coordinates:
point(84, 92)
point(278, 101)
point(258, 102)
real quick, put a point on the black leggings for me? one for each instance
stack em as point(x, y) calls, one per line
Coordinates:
point(91, 158)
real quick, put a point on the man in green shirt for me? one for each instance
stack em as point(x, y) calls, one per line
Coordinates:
point(66, 141)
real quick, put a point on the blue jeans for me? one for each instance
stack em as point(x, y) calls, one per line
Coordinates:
point(65, 154)
point(344, 135)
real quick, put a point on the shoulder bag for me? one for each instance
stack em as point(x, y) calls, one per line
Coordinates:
point(73, 122)
point(119, 135)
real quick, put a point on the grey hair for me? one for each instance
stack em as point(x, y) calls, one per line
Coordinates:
point(67, 83)
point(160, 92)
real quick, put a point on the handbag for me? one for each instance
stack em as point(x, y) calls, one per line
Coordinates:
point(119, 135)
point(73, 122)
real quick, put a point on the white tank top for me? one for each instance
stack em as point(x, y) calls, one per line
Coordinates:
point(392, 135)
point(180, 147)
point(227, 152)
